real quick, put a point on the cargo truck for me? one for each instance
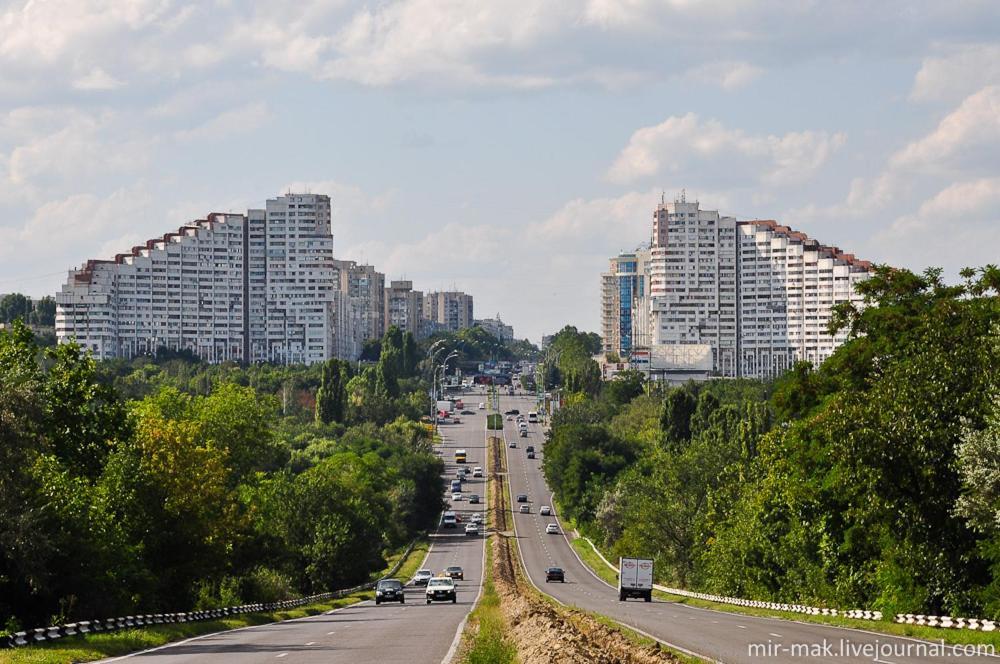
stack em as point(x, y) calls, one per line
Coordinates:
point(635, 578)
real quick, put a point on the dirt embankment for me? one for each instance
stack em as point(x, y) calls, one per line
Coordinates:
point(543, 632)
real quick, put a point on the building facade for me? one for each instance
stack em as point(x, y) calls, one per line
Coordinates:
point(247, 288)
point(365, 287)
point(449, 310)
point(404, 307)
point(754, 296)
point(496, 327)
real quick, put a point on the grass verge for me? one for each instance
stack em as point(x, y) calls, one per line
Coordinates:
point(949, 636)
point(122, 642)
point(485, 640)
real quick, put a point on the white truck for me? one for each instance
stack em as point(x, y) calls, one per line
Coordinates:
point(635, 578)
point(446, 406)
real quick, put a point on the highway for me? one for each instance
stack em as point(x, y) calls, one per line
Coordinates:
point(714, 635)
point(410, 633)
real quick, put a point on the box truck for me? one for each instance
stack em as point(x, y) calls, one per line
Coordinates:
point(635, 578)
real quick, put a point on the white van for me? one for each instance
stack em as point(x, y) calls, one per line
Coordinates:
point(532, 416)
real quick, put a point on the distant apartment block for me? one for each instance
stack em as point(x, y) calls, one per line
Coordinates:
point(754, 295)
point(404, 307)
point(365, 288)
point(258, 287)
point(448, 310)
point(496, 327)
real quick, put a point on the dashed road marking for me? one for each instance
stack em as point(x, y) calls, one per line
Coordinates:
point(776, 635)
point(284, 654)
point(311, 643)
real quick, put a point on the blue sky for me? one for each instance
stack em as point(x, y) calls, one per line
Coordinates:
point(505, 148)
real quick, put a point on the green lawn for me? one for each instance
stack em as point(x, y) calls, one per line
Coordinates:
point(112, 644)
point(485, 640)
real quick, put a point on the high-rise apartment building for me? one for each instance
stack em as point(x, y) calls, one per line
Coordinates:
point(449, 310)
point(365, 286)
point(249, 288)
point(404, 307)
point(755, 295)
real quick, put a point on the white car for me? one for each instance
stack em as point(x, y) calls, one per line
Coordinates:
point(482, 406)
point(456, 497)
point(441, 589)
point(477, 517)
point(545, 510)
point(552, 529)
point(510, 418)
point(471, 529)
point(477, 471)
point(422, 577)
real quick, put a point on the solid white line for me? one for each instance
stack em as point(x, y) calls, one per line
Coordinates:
point(741, 626)
point(311, 643)
point(284, 654)
point(776, 635)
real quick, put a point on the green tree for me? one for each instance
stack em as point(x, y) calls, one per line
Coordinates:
point(44, 312)
point(331, 397)
point(679, 406)
point(13, 307)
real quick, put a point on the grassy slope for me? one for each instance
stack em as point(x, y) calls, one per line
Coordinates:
point(99, 646)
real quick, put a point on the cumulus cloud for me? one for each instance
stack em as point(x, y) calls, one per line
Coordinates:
point(96, 79)
point(727, 75)
point(680, 142)
point(231, 122)
point(955, 72)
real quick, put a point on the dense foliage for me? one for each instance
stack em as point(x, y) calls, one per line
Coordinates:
point(16, 306)
point(871, 481)
point(171, 484)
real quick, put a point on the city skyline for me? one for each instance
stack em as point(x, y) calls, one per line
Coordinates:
point(529, 145)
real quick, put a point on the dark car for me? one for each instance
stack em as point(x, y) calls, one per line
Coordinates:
point(529, 448)
point(455, 572)
point(389, 590)
point(467, 412)
point(512, 411)
point(555, 574)
point(531, 455)
point(522, 497)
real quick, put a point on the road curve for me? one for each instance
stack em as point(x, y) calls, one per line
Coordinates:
point(410, 633)
point(713, 635)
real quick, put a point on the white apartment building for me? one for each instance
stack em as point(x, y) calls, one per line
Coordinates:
point(247, 288)
point(496, 327)
point(754, 295)
point(449, 310)
point(365, 287)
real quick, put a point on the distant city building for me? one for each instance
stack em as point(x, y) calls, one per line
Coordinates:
point(365, 287)
point(450, 310)
point(497, 328)
point(750, 297)
point(404, 307)
point(248, 288)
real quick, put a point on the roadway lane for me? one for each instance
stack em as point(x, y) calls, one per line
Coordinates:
point(410, 633)
point(716, 635)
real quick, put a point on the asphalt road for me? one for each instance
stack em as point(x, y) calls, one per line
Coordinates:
point(715, 635)
point(410, 633)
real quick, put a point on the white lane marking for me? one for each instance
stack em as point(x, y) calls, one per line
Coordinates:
point(776, 635)
point(330, 633)
point(311, 643)
point(741, 626)
point(284, 654)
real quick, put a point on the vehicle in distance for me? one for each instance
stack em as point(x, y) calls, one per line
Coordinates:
point(532, 416)
point(422, 577)
point(512, 443)
point(460, 456)
point(524, 433)
point(525, 509)
point(456, 497)
point(555, 574)
point(459, 404)
point(512, 411)
point(476, 517)
point(510, 418)
point(635, 578)
point(467, 412)
point(441, 589)
point(389, 590)
point(456, 486)
point(456, 420)
point(449, 520)
point(482, 406)
point(471, 529)
point(545, 510)
point(477, 471)
point(531, 455)
point(522, 497)
point(552, 529)
point(529, 448)
point(455, 572)
point(474, 498)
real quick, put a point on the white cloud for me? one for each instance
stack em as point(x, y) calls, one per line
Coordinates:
point(97, 79)
point(231, 122)
point(967, 133)
point(956, 72)
point(727, 75)
point(677, 143)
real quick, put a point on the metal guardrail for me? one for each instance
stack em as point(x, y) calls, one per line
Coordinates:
point(44, 634)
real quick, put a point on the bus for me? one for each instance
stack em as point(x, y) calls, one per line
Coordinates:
point(532, 416)
point(460, 456)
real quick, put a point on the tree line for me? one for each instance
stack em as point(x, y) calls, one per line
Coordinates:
point(168, 484)
point(870, 481)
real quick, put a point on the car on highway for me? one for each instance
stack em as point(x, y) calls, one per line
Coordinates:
point(545, 510)
point(459, 476)
point(477, 471)
point(468, 412)
point(552, 529)
point(525, 509)
point(449, 519)
point(529, 448)
point(455, 572)
point(422, 577)
point(389, 590)
point(482, 406)
point(456, 486)
point(524, 433)
point(441, 589)
point(512, 443)
point(531, 455)
point(472, 529)
point(555, 574)
point(510, 418)
point(474, 498)
point(476, 517)
point(456, 420)
point(522, 497)
point(456, 497)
